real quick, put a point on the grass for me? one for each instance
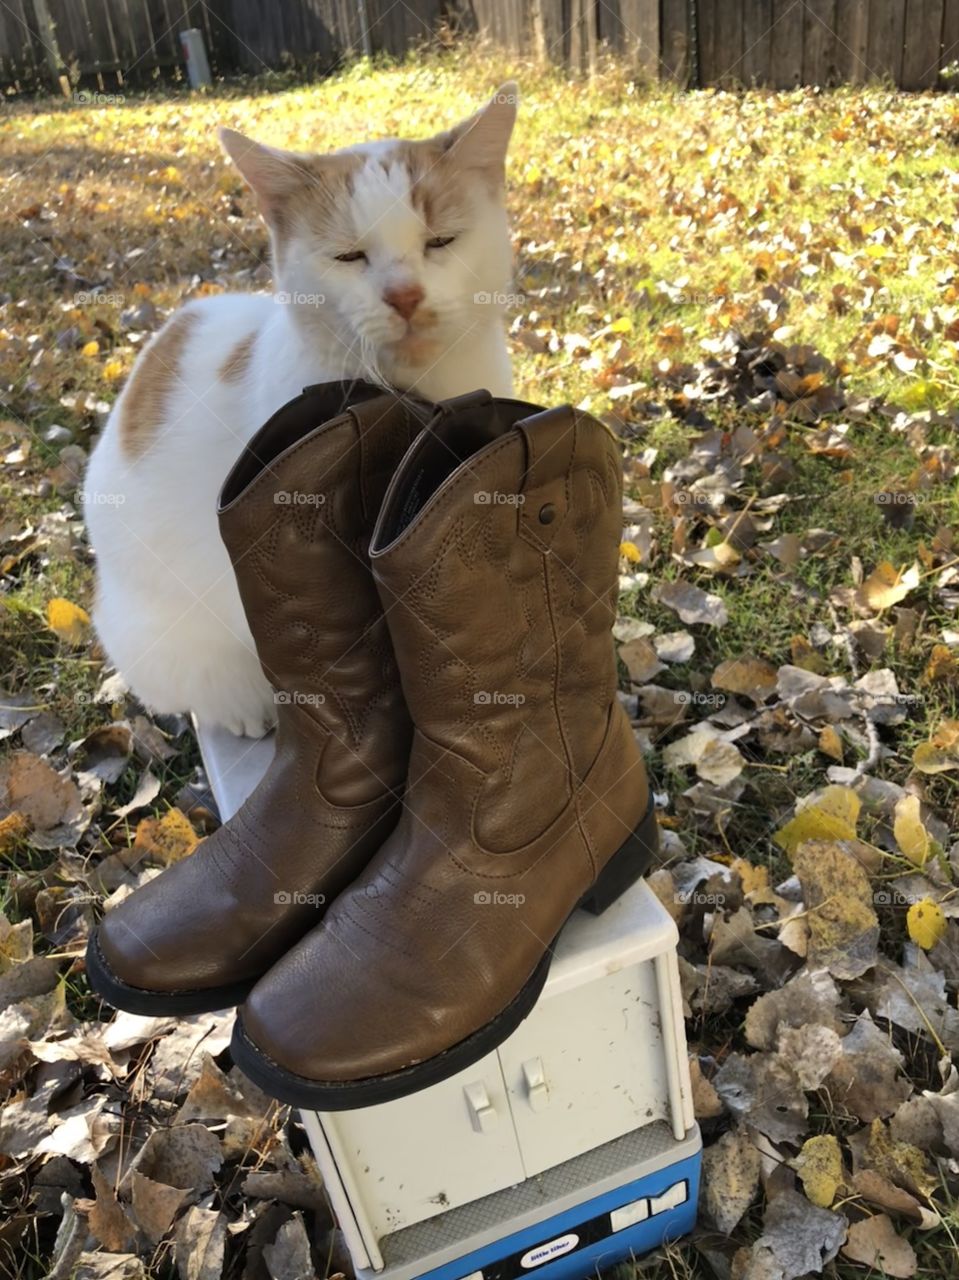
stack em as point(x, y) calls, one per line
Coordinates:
point(673, 217)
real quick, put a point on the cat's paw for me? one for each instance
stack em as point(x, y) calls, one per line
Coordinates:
point(252, 718)
point(239, 699)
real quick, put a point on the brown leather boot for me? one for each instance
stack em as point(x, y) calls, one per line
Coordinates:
point(296, 514)
point(496, 555)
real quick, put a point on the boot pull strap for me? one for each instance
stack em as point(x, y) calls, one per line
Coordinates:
point(550, 439)
point(377, 454)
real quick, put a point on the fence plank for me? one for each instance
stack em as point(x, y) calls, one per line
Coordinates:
point(728, 42)
point(103, 50)
point(21, 54)
point(887, 33)
point(819, 43)
point(757, 41)
point(720, 42)
point(950, 43)
point(633, 28)
point(786, 50)
point(852, 30)
point(551, 33)
point(920, 58)
point(674, 35)
point(706, 27)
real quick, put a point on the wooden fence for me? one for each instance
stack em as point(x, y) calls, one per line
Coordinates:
point(781, 43)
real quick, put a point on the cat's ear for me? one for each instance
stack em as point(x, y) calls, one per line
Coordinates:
point(481, 142)
point(273, 174)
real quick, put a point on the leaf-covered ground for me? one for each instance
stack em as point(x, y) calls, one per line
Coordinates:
point(762, 293)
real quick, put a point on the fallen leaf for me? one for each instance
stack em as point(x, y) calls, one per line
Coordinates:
point(186, 1156)
point(868, 1078)
point(165, 840)
point(875, 1243)
point(941, 752)
point(926, 923)
point(108, 1221)
point(200, 1244)
point(809, 998)
point(155, 1205)
point(819, 1165)
point(843, 926)
point(887, 585)
point(833, 816)
point(288, 1258)
point(31, 787)
point(640, 659)
point(691, 603)
point(751, 677)
point(69, 621)
point(730, 1178)
point(911, 835)
point(798, 1238)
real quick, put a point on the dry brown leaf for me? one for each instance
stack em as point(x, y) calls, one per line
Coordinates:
point(155, 1205)
point(200, 1244)
point(30, 787)
point(876, 1243)
point(108, 1221)
point(751, 677)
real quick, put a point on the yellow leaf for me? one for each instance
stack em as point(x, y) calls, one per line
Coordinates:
point(941, 665)
point(622, 325)
point(843, 926)
point(832, 817)
point(900, 1162)
point(533, 174)
point(941, 752)
point(629, 551)
point(68, 620)
point(911, 836)
point(166, 839)
point(13, 829)
point(91, 348)
point(887, 585)
point(830, 743)
point(926, 923)
point(819, 1165)
point(754, 879)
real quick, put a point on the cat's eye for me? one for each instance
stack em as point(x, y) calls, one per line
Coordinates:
point(356, 255)
point(440, 242)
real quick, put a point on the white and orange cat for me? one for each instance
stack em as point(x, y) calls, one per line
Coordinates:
point(390, 262)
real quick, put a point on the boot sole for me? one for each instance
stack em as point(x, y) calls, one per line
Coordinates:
point(157, 1004)
point(627, 865)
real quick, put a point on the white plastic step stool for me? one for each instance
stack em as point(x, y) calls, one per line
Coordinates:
point(570, 1147)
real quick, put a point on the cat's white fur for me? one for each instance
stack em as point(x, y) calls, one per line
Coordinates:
point(167, 608)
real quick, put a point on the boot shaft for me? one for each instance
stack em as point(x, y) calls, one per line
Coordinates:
point(496, 555)
point(296, 514)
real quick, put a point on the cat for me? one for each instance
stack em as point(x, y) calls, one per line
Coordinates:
point(391, 260)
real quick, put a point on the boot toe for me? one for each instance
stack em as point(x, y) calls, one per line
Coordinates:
point(137, 942)
point(313, 1029)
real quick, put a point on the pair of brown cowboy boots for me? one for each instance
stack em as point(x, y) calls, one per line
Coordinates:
point(431, 590)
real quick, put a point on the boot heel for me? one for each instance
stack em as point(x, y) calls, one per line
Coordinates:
point(630, 861)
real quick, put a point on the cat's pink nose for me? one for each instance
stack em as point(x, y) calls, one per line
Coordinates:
point(404, 298)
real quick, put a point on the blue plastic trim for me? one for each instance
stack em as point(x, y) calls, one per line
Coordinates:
point(603, 1253)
